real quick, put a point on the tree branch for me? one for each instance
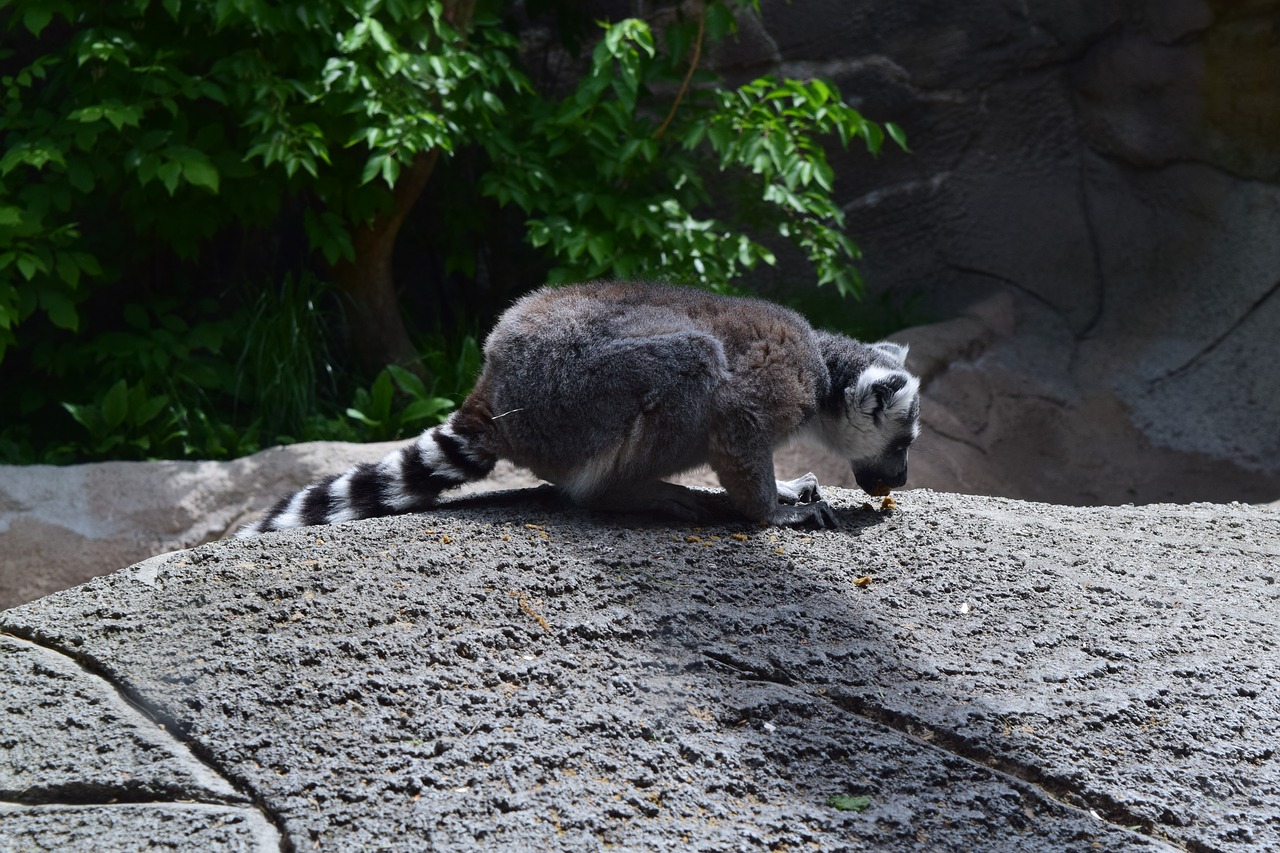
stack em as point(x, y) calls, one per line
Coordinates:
point(688, 75)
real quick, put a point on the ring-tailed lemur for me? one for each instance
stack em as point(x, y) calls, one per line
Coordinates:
point(604, 389)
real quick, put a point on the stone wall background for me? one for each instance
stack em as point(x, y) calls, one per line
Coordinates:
point(1101, 181)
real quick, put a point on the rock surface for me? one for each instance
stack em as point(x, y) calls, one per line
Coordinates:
point(505, 673)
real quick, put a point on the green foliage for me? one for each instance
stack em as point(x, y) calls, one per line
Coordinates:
point(126, 421)
point(386, 418)
point(178, 177)
point(219, 384)
point(176, 112)
point(284, 373)
point(614, 189)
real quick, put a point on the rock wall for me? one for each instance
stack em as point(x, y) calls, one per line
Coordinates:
point(1112, 170)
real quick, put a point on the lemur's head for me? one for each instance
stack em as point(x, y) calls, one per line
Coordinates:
point(874, 413)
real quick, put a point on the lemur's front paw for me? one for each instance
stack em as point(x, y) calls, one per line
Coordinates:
point(818, 515)
point(800, 490)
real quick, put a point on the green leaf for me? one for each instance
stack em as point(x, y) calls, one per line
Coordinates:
point(80, 175)
point(148, 409)
point(115, 405)
point(10, 215)
point(390, 171)
point(169, 173)
point(29, 266)
point(897, 134)
point(847, 803)
point(36, 19)
point(86, 416)
point(874, 136)
point(380, 36)
point(88, 263)
point(407, 382)
point(60, 309)
point(68, 269)
point(720, 21)
point(420, 410)
point(201, 173)
point(380, 396)
point(356, 414)
point(372, 167)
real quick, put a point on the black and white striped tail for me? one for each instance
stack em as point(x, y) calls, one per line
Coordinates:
point(406, 480)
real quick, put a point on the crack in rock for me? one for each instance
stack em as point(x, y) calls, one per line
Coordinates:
point(1216, 342)
point(1018, 775)
point(74, 739)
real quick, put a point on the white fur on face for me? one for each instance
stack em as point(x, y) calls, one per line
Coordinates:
point(867, 430)
point(899, 405)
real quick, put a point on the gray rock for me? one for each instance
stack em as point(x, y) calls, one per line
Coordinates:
point(81, 741)
point(505, 673)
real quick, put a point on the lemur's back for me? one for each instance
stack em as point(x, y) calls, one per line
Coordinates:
point(617, 369)
point(607, 388)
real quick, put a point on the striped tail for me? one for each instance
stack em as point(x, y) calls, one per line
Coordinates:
point(406, 480)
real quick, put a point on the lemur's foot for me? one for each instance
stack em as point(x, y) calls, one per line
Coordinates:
point(817, 515)
point(801, 490)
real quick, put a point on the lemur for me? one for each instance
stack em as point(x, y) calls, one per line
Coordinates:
point(605, 389)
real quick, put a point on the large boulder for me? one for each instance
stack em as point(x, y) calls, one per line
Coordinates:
point(961, 674)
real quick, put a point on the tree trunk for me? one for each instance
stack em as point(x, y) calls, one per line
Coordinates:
point(378, 333)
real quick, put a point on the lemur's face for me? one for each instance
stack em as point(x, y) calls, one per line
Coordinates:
point(881, 418)
point(887, 401)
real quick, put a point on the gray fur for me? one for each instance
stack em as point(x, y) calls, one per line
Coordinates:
point(606, 389)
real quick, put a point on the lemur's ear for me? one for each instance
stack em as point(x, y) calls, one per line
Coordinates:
point(896, 352)
point(876, 390)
